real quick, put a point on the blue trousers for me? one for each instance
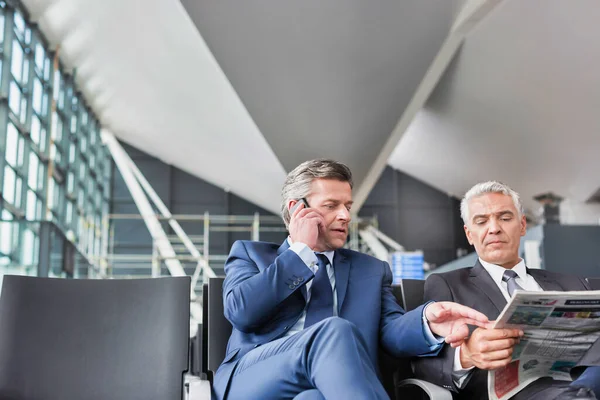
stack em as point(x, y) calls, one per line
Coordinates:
point(326, 361)
point(590, 378)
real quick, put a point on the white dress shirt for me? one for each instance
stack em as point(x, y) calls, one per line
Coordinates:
point(523, 279)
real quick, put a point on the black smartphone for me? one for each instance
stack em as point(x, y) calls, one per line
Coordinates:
point(300, 201)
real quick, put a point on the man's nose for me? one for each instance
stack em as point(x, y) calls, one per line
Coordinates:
point(343, 214)
point(494, 226)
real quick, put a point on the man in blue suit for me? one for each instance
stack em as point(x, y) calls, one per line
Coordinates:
point(308, 316)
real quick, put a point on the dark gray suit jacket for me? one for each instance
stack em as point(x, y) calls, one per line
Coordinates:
point(475, 288)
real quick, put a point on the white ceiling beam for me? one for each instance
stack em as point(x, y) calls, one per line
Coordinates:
point(471, 13)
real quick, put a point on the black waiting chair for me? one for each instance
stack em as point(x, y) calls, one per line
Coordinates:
point(63, 339)
point(594, 283)
point(397, 374)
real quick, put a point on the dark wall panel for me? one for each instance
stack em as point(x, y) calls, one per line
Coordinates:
point(417, 216)
point(572, 249)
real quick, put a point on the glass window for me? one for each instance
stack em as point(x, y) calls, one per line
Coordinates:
point(34, 207)
point(12, 187)
point(6, 235)
point(1, 27)
point(17, 61)
point(19, 25)
point(71, 132)
point(72, 152)
point(13, 145)
point(70, 182)
point(38, 133)
point(35, 173)
point(29, 247)
point(40, 58)
point(57, 127)
point(8, 191)
point(39, 101)
point(69, 216)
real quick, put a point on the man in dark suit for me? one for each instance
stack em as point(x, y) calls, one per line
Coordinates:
point(308, 316)
point(494, 224)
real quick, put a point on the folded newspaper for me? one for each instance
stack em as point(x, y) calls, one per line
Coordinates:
point(559, 329)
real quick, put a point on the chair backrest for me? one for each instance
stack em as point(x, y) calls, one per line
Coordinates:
point(218, 329)
point(412, 291)
point(93, 339)
point(594, 283)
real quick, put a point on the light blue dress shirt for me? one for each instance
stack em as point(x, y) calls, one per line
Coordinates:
point(310, 259)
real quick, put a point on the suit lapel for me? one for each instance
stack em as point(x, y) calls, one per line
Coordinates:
point(284, 246)
point(341, 269)
point(488, 287)
point(544, 282)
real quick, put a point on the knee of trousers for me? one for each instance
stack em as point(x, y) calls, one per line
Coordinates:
point(338, 326)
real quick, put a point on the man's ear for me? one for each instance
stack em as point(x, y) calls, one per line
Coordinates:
point(523, 225)
point(468, 234)
point(291, 203)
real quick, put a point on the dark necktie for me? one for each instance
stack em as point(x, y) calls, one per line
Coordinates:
point(320, 305)
point(511, 282)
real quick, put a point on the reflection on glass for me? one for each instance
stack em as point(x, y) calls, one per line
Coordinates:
point(14, 98)
point(12, 145)
point(8, 191)
point(19, 24)
point(32, 201)
point(56, 127)
point(17, 61)
point(18, 191)
point(38, 94)
point(1, 27)
point(6, 234)
point(70, 182)
point(69, 213)
point(34, 175)
point(51, 199)
point(40, 57)
point(36, 128)
point(28, 247)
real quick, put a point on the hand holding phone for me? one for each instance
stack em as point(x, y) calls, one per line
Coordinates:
point(305, 224)
point(297, 205)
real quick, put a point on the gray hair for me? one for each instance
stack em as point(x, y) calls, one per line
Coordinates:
point(298, 182)
point(488, 187)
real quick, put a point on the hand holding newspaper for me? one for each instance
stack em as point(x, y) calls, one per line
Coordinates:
point(559, 329)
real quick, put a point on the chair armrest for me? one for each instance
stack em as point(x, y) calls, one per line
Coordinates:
point(434, 391)
point(197, 389)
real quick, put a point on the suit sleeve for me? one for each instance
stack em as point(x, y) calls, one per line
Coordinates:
point(438, 369)
point(402, 333)
point(251, 296)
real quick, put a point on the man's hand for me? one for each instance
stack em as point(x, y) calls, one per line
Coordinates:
point(450, 320)
point(489, 348)
point(305, 224)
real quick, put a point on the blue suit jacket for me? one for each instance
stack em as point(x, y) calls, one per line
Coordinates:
point(264, 297)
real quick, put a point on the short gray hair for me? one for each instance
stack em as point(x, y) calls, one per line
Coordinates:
point(489, 187)
point(297, 183)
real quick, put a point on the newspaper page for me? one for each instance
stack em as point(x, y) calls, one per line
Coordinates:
point(559, 329)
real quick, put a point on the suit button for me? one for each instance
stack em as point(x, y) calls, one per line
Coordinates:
point(285, 328)
point(300, 279)
point(292, 287)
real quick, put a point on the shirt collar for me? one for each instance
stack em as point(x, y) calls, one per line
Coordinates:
point(328, 254)
point(496, 271)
